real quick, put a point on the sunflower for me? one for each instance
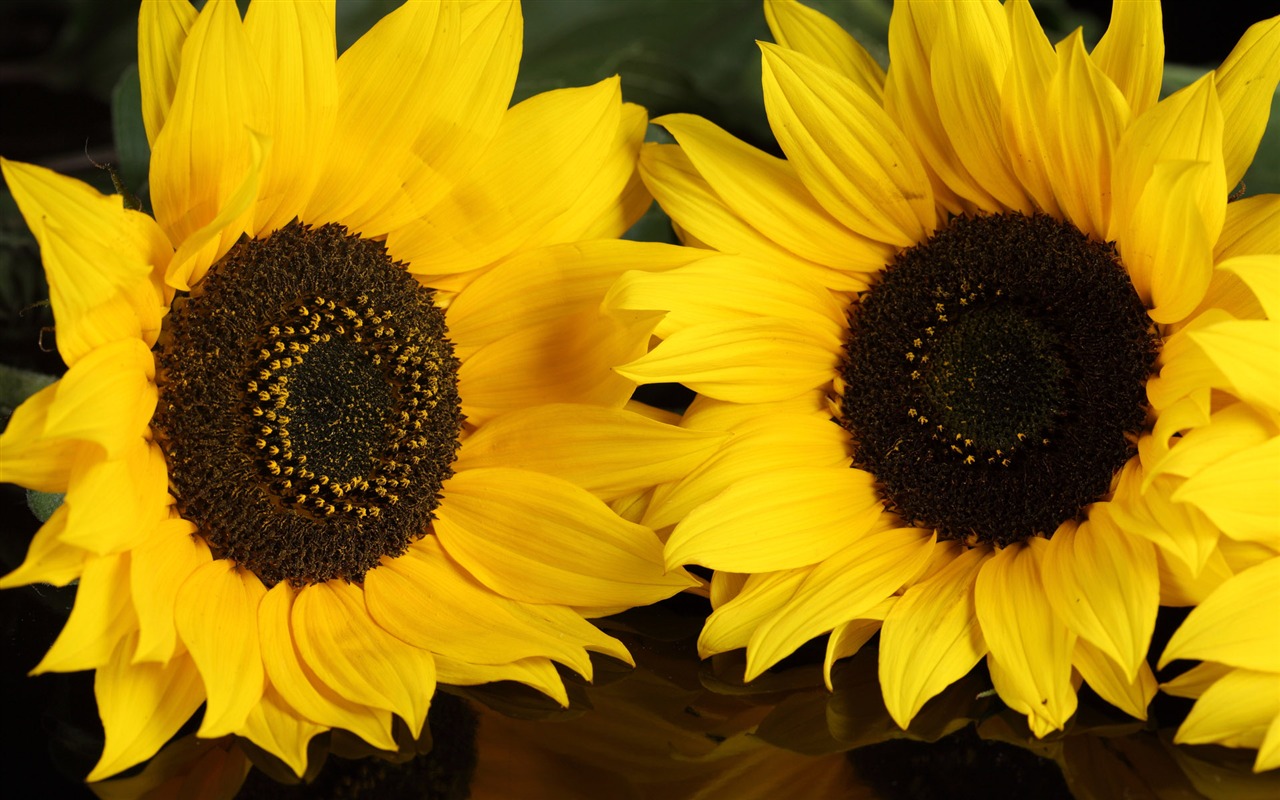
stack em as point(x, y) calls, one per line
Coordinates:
point(997, 354)
point(301, 486)
point(1237, 687)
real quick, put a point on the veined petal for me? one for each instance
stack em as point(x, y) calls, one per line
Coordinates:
point(747, 528)
point(1026, 84)
point(969, 61)
point(163, 27)
point(142, 706)
point(549, 283)
point(931, 637)
point(1131, 52)
point(806, 30)
point(353, 656)
point(299, 687)
point(135, 488)
point(294, 44)
point(536, 673)
point(100, 619)
point(1187, 126)
point(746, 361)
point(1251, 226)
point(1246, 83)
point(730, 626)
point(539, 163)
point(1193, 683)
point(1239, 493)
point(1244, 353)
point(847, 639)
point(160, 566)
point(1143, 507)
point(608, 451)
point(1261, 273)
point(841, 588)
point(49, 559)
point(427, 599)
point(846, 150)
point(768, 194)
point(280, 730)
point(1130, 694)
point(1031, 646)
point(1088, 114)
point(216, 613)
point(773, 442)
point(99, 257)
point(1180, 587)
point(106, 398)
point(204, 152)
point(698, 212)
point(541, 539)
point(1105, 586)
point(31, 459)
point(1236, 624)
point(1235, 712)
point(1166, 248)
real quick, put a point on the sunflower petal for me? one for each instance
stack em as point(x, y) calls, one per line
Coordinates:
point(1245, 353)
point(1234, 625)
point(541, 539)
point(744, 361)
point(1247, 83)
point(216, 616)
point(31, 459)
point(608, 451)
point(1251, 227)
point(1178, 530)
point(1193, 683)
point(134, 487)
point(846, 150)
point(847, 639)
point(160, 566)
point(278, 729)
point(1236, 711)
point(806, 30)
point(931, 637)
point(845, 586)
point(352, 655)
point(142, 706)
point(1131, 52)
point(1104, 585)
point(1030, 645)
point(1261, 273)
point(1026, 83)
point(106, 398)
point(49, 559)
point(100, 619)
point(536, 673)
point(746, 529)
point(1130, 694)
point(730, 626)
point(163, 27)
point(1239, 493)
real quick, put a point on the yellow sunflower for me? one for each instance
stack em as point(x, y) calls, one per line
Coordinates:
point(302, 487)
point(997, 354)
point(1237, 688)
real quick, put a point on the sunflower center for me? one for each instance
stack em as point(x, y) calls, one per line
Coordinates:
point(995, 377)
point(309, 410)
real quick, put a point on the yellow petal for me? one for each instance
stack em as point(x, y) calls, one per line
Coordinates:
point(728, 288)
point(806, 30)
point(549, 283)
point(844, 587)
point(163, 27)
point(771, 442)
point(49, 559)
point(160, 567)
point(100, 619)
point(1104, 585)
point(698, 212)
point(1180, 587)
point(1245, 353)
point(970, 56)
point(536, 673)
point(565, 360)
point(931, 637)
point(278, 729)
point(1261, 273)
point(352, 655)
point(1252, 226)
point(141, 706)
point(537, 167)
point(1031, 647)
point(1088, 114)
point(779, 519)
point(294, 45)
point(427, 599)
point(299, 687)
point(1179, 531)
point(99, 258)
point(730, 626)
point(1026, 83)
point(216, 613)
point(610, 452)
point(846, 640)
point(1235, 712)
point(30, 458)
point(1246, 83)
point(540, 539)
point(1236, 624)
point(1130, 694)
point(134, 488)
point(846, 150)
point(1131, 52)
point(1193, 683)
point(768, 194)
point(746, 361)
point(1239, 493)
point(106, 398)
point(202, 155)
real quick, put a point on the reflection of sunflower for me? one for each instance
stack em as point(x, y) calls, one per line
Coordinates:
point(266, 411)
point(1015, 281)
point(1234, 632)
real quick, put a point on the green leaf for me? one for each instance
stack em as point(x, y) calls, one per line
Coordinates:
point(17, 385)
point(43, 504)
